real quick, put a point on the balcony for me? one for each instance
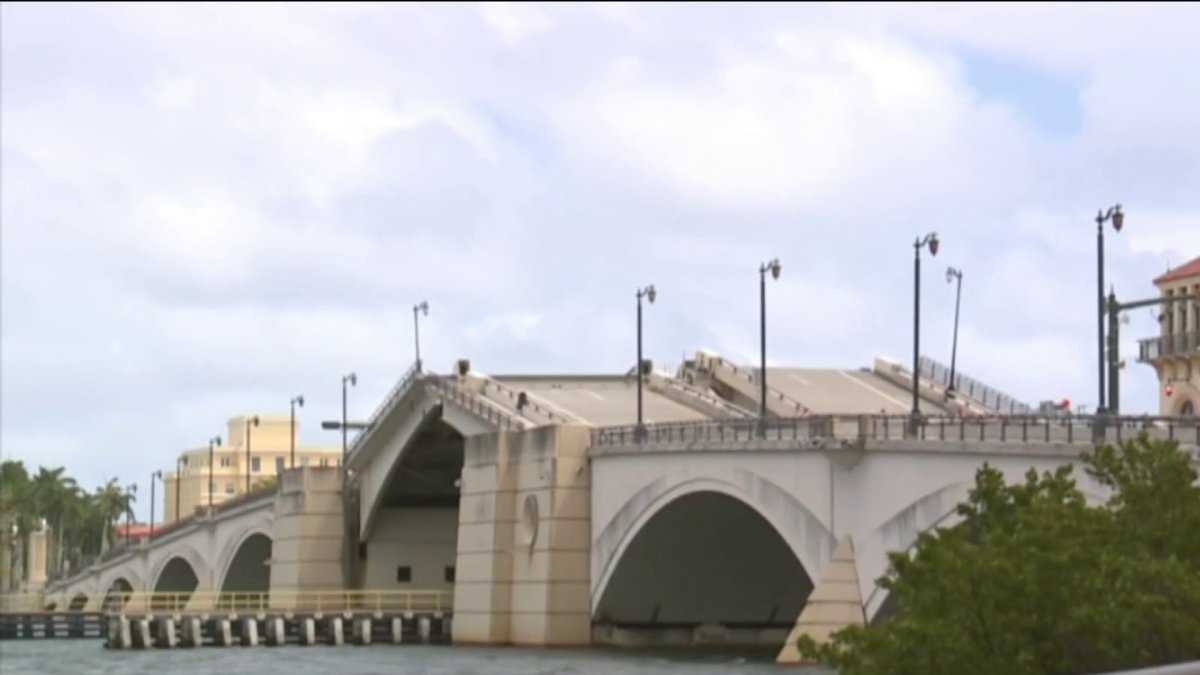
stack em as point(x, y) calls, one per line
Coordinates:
point(1178, 344)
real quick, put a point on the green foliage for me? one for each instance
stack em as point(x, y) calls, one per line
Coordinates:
point(1034, 580)
point(80, 523)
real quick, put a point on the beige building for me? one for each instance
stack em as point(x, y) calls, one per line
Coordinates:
point(1175, 354)
point(269, 448)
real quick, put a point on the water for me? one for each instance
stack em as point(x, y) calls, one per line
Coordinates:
point(71, 657)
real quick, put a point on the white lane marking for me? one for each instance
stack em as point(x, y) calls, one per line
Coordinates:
point(864, 385)
point(594, 395)
point(799, 379)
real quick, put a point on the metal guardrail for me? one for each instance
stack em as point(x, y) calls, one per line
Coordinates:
point(971, 388)
point(409, 376)
point(1175, 344)
point(751, 376)
point(513, 394)
point(492, 412)
point(1082, 429)
point(209, 601)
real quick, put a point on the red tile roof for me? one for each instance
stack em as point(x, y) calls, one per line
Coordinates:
point(1184, 271)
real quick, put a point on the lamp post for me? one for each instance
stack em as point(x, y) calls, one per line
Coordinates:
point(130, 492)
point(649, 293)
point(157, 475)
point(931, 241)
point(353, 380)
point(951, 276)
point(1114, 309)
point(178, 483)
point(297, 400)
point(418, 309)
point(1118, 221)
point(253, 421)
point(774, 268)
point(212, 442)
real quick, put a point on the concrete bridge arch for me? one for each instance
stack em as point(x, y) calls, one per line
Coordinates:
point(244, 564)
point(681, 532)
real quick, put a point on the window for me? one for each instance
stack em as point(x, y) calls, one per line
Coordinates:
point(450, 574)
point(1187, 410)
point(229, 488)
point(255, 464)
point(278, 465)
point(403, 574)
point(225, 462)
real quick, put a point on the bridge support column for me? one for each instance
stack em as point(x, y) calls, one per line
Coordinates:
point(276, 632)
point(334, 633)
point(308, 632)
point(533, 491)
point(249, 631)
point(397, 630)
point(309, 534)
point(192, 632)
point(362, 630)
point(223, 633)
point(835, 603)
point(141, 634)
point(166, 632)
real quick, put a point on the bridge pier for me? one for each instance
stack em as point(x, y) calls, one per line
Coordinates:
point(308, 631)
point(166, 632)
point(362, 630)
point(223, 633)
point(333, 631)
point(249, 631)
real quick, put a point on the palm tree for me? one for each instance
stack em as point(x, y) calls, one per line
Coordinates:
point(54, 495)
point(16, 508)
point(111, 502)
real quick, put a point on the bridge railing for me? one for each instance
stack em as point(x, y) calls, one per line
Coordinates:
point(302, 601)
point(1000, 428)
point(410, 375)
point(492, 412)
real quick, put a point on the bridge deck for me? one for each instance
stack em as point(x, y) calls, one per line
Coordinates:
point(844, 392)
point(602, 400)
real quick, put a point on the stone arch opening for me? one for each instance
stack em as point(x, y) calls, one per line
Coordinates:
point(412, 542)
point(117, 594)
point(78, 602)
point(175, 585)
point(247, 581)
point(1188, 409)
point(707, 567)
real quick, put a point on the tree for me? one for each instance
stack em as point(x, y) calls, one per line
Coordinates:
point(1033, 580)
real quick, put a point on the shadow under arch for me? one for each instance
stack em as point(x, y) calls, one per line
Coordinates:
point(117, 594)
point(78, 602)
point(246, 583)
point(709, 559)
point(174, 585)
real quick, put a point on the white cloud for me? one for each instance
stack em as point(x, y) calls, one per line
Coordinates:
point(208, 209)
point(515, 22)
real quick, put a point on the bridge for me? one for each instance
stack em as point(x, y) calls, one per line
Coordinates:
point(553, 521)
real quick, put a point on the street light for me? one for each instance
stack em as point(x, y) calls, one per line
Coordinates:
point(253, 421)
point(156, 475)
point(296, 401)
point(212, 442)
point(130, 492)
point(951, 276)
point(353, 380)
point(775, 268)
point(1118, 221)
point(418, 309)
point(649, 293)
point(931, 241)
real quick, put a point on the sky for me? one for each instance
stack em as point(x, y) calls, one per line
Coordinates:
point(208, 209)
